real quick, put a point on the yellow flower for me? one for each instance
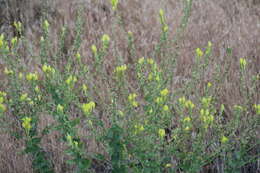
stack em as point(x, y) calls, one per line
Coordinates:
point(187, 128)
point(105, 39)
point(26, 123)
point(162, 17)
point(48, 69)
point(209, 84)
point(150, 61)
point(24, 97)
point(1, 99)
point(182, 100)
point(161, 133)
point(20, 75)
point(41, 39)
point(18, 26)
point(189, 104)
point(78, 56)
point(14, 41)
point(141, 60)
point(120, 69)
point(168, 165)
point(224, 139)
point(2, 108)
point(69, 139)
point(157, 78)
point(88, 107)
point(165, 28)
point(139, 128)
point(37, 89)
point(243, 63)
point(94, 49)
point(84, 88)
point(199, 52)
point(46, 25)
point(2, 94)
point(60, 108)
point(165, 108)
point(90, 123)
point(206, 101)
point(130, 34)
point(164, 92)
point(8, 72)
point(150, 76)
point(32, 76)
point(134, 103)
point(132, 97)
point(159, 100)
point(257, 109)
point(71, 80)
point(1, 40)
point(114, 4)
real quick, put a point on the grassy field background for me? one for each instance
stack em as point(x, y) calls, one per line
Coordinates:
point(135, 31)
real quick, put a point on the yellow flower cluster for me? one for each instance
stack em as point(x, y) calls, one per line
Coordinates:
point(224, 139)
point(3, 43)
point(150, 61)
point(132, 99)
point(163, 21)
point(161, 99)
point(206, 117)
point(120, 69)
point(2, 98)
point(186, 103)
point(164, 92)
point(60, 109)
point(114, 4)
point(32, 76)
point(14, 41)
point(187, 123)
point(84, 88)
point(257, 109)
point(87, 108)
point(8, 72)
point(242, 63)
point(94, 49)
point(47, 69)
point(141, 60)
point(138, 128)
point(199, 52)
point(165, 108)
point(161, 133)
point(71, 81)
point(26, 124)
point(24, 98)
point(206, 102)
point(71, 142)
point(209, 48)
point(1, 40)
point(18, 26)
point(105, 39)
point(78, 56)
point(46, 25)
point(209, 84)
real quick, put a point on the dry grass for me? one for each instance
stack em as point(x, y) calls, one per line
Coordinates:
point(227, 24)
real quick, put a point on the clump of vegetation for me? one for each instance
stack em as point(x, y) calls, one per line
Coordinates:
point(133, 114)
